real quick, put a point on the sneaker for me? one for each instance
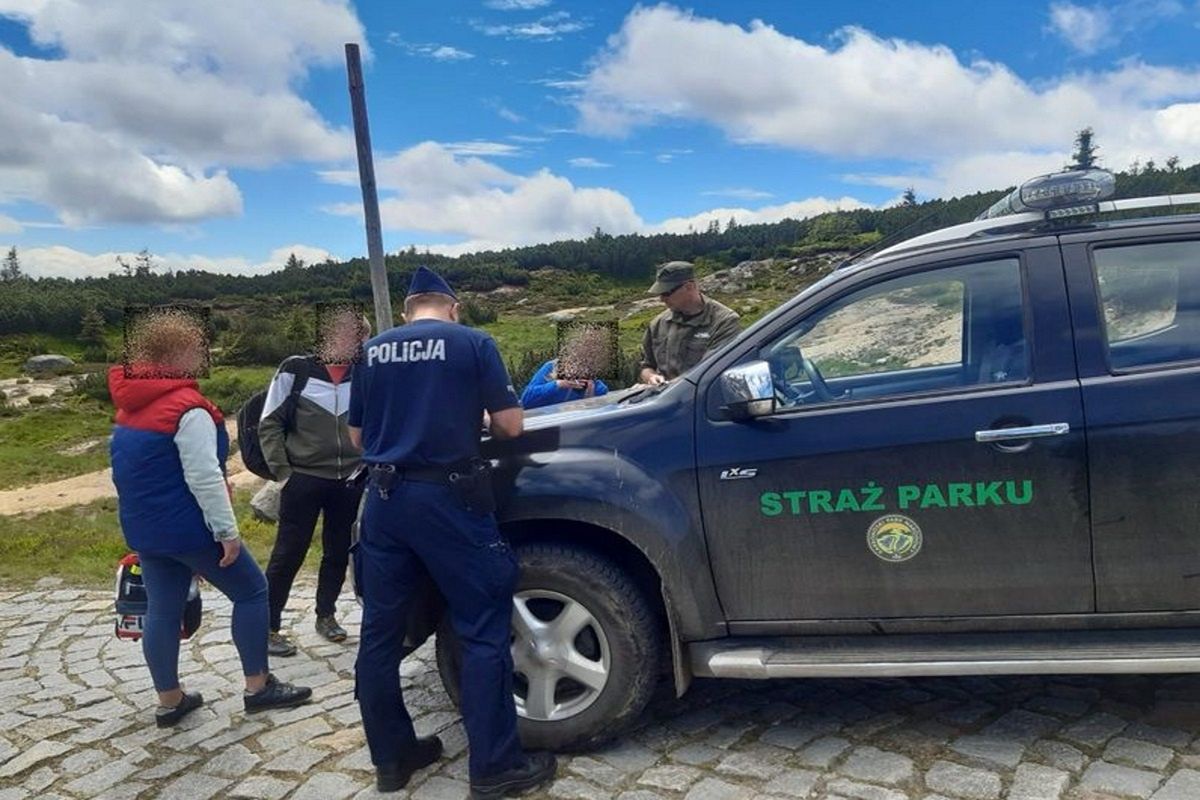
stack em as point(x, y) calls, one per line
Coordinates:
point(394, 777)
point(538, 770)
point(329, 628)
point(276, 695)
point(169, 717)
point(280, 645)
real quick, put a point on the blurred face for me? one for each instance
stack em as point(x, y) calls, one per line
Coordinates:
point(683, 297)
point(342, 337)
point(171, 344)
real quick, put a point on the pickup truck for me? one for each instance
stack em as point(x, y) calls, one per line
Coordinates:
point(974, 452)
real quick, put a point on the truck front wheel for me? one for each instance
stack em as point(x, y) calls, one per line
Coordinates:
point(585, 649)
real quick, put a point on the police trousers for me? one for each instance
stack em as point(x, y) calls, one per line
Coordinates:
point(423, 527)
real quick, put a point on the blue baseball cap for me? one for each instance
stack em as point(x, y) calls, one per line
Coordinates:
point(426, 281)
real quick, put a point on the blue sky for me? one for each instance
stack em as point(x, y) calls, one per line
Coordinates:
point(218, 135)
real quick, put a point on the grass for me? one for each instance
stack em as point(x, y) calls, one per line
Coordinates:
point(32, 443)
point(81, 544)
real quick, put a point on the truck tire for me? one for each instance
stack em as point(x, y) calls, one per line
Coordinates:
point(618, 638)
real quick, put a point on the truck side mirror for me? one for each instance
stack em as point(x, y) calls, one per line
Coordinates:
point(748, 390)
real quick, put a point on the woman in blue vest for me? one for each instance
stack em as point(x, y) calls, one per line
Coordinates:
point(168, 462)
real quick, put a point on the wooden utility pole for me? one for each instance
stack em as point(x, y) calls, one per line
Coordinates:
point(366, 176)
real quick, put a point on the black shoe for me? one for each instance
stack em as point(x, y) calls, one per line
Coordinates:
point(538, 770)
point(329, 628)
point(393, 777)
point(280, 645)
point(169, 717)
point(276, 695)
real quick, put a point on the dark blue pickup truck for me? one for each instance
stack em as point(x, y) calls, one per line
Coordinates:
point(975, 452)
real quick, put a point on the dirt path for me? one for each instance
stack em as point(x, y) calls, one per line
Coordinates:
point(83, 489)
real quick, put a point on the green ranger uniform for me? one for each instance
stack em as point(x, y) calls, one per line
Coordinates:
point(674, 343)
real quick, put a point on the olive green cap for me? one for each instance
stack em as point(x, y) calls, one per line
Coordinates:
point(672, 275)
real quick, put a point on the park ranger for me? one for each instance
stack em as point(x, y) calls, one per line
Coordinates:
point(691, 326)
point(417, 399)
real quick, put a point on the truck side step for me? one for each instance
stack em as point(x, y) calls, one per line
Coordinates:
point(891, 655)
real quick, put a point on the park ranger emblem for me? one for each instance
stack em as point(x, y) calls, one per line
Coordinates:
point(894, 538)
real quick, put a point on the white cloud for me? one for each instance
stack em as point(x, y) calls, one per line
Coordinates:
point(437, 191)
point(738, 192)
point(1089, 29)
point(438, 52)
point(868, 97)
point(507, 113)
point(136, 117)
point(587, 162)
point(9, 225)
point(548, 28)
point(1085, 29)
point(517, 137)
point(479, 147)
point(797, 209)
point(517, 5)
point(66, 262)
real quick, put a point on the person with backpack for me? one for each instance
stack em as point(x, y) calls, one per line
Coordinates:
point(168, 453)
point(306, 446)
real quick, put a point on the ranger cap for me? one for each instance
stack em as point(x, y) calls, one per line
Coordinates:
point(671, 276)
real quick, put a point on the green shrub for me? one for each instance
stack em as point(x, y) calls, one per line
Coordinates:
point(39, 400)
point(93, 385)
point(6, 408)
point(230, 389)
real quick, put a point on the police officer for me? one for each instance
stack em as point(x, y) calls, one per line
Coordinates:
point(416, 402)
point(691, 326)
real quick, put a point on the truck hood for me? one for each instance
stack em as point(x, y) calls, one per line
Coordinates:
point(590, 408)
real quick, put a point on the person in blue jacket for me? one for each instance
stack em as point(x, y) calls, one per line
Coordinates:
point(544, 389)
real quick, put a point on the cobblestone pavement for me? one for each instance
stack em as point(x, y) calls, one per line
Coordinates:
point(76, 722)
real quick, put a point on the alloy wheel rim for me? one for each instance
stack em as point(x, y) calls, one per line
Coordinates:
point(561, 657)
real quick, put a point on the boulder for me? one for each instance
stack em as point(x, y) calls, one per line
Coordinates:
point(265, 502)
point(48, 363)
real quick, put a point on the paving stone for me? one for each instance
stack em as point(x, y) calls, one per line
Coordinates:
point(232, 762)
point(696, 754)
point(297, 759)
point(762, 763)
point(326, 786)
point(628, 756)
point(639, 794)
point(861, 791)
point(1021, 726)
point(101, 780)
point(960, 781)
point(40, 779)
point(1119, 780)
point(1168, 737)
point(1035, 782)
point(193, 786)
point(798, 733)
point(262, 787)
point(1060, 755)
point(439, 788)
point(1139, 754)
point(39, 752)
point(1094, 730)
point(822, 752)
point(1183, 785)
point(596, 771)
point(714, 789)
point(289, 736)
point(878, 766)
point(575, 789)
point(167, 768)
point(1000, 752)
point(793, 783)
point(672, 778)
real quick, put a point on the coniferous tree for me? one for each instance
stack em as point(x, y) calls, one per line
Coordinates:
point(1084, 156)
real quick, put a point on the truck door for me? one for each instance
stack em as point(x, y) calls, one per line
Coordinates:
point(1137, 310)
point(926, 456)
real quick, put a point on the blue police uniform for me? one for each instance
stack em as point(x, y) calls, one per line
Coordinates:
point(419, 395)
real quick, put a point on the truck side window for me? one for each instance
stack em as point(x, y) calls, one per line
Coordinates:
point(934, 331)
point(1150, 299)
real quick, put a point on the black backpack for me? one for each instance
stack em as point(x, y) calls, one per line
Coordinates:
point(250, 414)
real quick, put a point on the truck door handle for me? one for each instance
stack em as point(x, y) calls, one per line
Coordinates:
point(1027, 432)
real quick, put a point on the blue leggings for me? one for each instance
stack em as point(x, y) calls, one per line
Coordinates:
point(167, 578)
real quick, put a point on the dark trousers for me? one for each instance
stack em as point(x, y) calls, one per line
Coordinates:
point(168, 578)
point(302, 499)
point(422, 527)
